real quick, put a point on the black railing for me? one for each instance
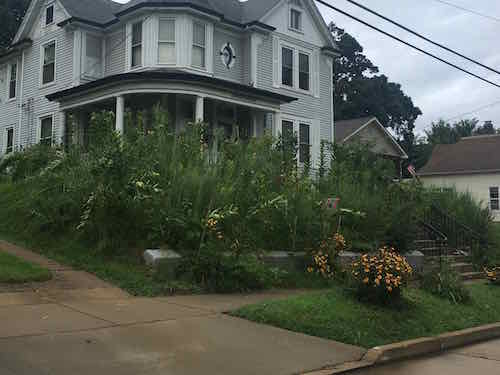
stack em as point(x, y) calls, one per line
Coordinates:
point(459, 236)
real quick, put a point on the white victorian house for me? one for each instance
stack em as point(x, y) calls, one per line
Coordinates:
point(256, 66)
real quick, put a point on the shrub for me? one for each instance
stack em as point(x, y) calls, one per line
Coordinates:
point(325, 259)
point(380, 277)
point(446, 283)
point(493, 275)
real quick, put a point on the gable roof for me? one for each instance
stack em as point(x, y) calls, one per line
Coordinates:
point(97, 11)
point(480, 154)
point(346, 129)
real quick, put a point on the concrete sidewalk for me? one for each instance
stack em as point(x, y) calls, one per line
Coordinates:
point(97, 329)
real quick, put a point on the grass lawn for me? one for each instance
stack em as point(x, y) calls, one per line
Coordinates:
point(15, 270)
point(337, 315)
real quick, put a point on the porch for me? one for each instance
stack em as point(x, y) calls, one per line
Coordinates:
point(235, 110)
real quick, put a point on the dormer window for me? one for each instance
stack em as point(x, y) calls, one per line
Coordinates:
point(49, 15)
point(198, 51)
point(136, 45)
point(295, 19)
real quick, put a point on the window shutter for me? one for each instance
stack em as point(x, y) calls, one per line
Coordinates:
point(276, 62)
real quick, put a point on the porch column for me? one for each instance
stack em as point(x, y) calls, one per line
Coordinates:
point(276, 124)
point(120, 111)
point(200, 109)
point(63, 135)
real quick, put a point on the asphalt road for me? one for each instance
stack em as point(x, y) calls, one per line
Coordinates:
point(479, 359)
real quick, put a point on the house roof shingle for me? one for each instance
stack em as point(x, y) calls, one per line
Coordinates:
point(345, 128)
point(107, 11)
point(480, 154)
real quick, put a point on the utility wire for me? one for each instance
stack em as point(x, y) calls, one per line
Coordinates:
point(486, 106)
point(421, 36)
point(468, 10)
point(408, 44)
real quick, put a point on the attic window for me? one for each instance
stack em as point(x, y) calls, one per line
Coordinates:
point(49, 15)
point(295, 19)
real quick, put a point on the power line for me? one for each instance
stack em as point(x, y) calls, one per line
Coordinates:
point(408, 44)
point(468, 10)
point(486, 106)
point(422, 36)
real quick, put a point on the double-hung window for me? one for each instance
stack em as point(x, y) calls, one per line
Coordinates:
point(93, 56)
point(304, 143)
point(494, 199)
point(295, 19)
point(9, 141)
point(49, 63)
point(304, 72)
point(136, 60)
point(198, 50)
point(49, 15)
point(12, 81)
point(166, 42)
point(287, 66)
point(46, 131)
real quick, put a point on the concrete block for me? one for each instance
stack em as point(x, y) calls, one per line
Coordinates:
point(153, 257)
point(291, 261)
point(416, 259)
point(346, 258)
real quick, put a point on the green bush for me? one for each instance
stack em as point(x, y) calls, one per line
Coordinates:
point(446, 283)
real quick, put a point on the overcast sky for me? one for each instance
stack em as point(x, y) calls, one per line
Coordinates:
point(439, 90)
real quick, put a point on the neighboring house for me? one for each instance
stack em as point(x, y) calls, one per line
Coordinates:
point(257, 66)
point(368, 130)
point(471, 165)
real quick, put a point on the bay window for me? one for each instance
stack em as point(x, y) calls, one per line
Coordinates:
point(166, 42)
point(93, 56)
point(198, 50)
point(136, 60)
point(49, 63)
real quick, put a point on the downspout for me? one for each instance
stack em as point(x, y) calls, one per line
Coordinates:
point(21, 89)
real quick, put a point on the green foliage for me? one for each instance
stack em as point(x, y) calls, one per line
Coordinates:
point(337, 315)
point(446, 283)
point(15, 270)
point(11, 15)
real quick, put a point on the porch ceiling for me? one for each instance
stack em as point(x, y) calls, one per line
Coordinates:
point(168, 80)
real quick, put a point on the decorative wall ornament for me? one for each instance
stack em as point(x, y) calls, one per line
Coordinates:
point(227, 55)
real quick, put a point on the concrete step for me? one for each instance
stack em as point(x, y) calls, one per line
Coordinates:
point(472, 275)
point(446, 258)
point(463, 267)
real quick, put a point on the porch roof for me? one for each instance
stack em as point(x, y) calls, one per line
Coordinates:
point(170, 76)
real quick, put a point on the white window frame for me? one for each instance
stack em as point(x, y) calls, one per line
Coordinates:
point(174, 42)
point(296, 130)
point(39, 128)
point(131, 45)
point(301, 19)
point(9, 80)
point(193, 45)
point(491, 199)
point(309, 61)
point(296, 69)
point(6, 137)
point(50, 5)
point(42, 56)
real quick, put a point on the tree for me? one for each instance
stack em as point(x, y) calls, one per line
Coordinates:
point(486, 129)
point(11, 15)
point(359, 91)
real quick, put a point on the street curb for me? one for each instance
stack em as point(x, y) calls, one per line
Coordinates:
point(380, 355)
